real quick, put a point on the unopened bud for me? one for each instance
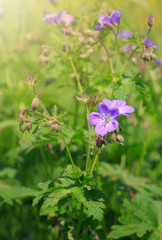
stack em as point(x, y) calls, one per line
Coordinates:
point(145, 56)
point(120, 139)
point(35, 103)
point(21, 117)
point(118, 129)
point(28, 126)
point(55, 127)
point(150, 21)
point(100, 141)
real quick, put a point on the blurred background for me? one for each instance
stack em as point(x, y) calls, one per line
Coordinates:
point(22, 33)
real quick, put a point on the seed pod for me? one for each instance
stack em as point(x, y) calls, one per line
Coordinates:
point(35, 103)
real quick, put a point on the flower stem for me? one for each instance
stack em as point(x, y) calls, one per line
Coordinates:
point(89, 134)
point(116, 48)
point(79, 222)
point(123, 69)
point(76, 75)
point(67, 149)
point(94, 162)
point(109, 58)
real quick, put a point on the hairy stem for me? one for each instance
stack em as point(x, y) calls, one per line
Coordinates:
point(125, 65)
point(89, 134)
point(76, 75)
point(67, 149)
point(109, 58)
point(79, 222)
point(93, 164)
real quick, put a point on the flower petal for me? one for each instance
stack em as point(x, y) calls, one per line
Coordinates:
point(107, 21)
point(101, 129)
point(118, 103)
point(98, 27)
point(112, 126)
point(103, 108)
point(107, 102)
point(94, 118)
point(115, 17)
point(126, 109)
point(114, 113)
point(100, 19)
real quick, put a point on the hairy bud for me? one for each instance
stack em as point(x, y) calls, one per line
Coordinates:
point(150, 21)
point(100, 141)
point(35, 103)
point(55, 127)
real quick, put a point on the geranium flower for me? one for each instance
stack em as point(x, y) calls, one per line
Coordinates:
point(120, 105)
point(125, 34)
point(108, 21)
point(158, 62)
point(104, 120)
point(59, 18)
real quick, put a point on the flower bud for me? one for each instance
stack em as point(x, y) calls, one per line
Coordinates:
point(28, 126)
point(100, 141)
point(21, 117)
point(150, 21)
point(35, 103)
point(145, 56)
point(55, 127)
point(120, 139)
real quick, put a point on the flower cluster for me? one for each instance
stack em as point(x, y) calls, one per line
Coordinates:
point(107, 22)
point(59, 18)
point(105, 120)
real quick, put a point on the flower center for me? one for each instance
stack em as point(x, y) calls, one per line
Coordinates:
point(106, 119)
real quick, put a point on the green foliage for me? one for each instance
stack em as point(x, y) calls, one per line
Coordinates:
point(73, 183)
point(144, 216)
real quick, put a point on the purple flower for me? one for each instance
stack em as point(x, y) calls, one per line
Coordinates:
point(149, 43)
point(158, 62)
point(108, 21)
point(150, 20)
point(64, 17)
point(50, 18)
point(104, 120)
point(59, 18)
point(125, 34)
point(53, 1)
point(1, 12)
point(120, 105)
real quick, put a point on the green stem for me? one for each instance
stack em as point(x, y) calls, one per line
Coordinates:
point(79, 222)
point(98, 178)
point(144, 147)
point(89, 134)
point(41, 114)
point(116, 48)
point(76, 75)
point(94, 162)
point(109, 58)
point(123, 69)
point(67, 149)
point(45, 162)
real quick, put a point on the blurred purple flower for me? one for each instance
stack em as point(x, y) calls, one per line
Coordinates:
point(150, 20)
point(120, 105)
point(1, 11)
point(53, 1)
point(158, 62)
point(64, 17)
point(50, 18)
point(104, 120)
point(125, 34)
point(108, 21)
point(150, 43)
point(58, 18)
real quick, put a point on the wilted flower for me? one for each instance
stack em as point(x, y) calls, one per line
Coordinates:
point(125, 34)
point(1, 12)
point(35, 103)
point(106, 22)
point(104, 120)
point(120, 105)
